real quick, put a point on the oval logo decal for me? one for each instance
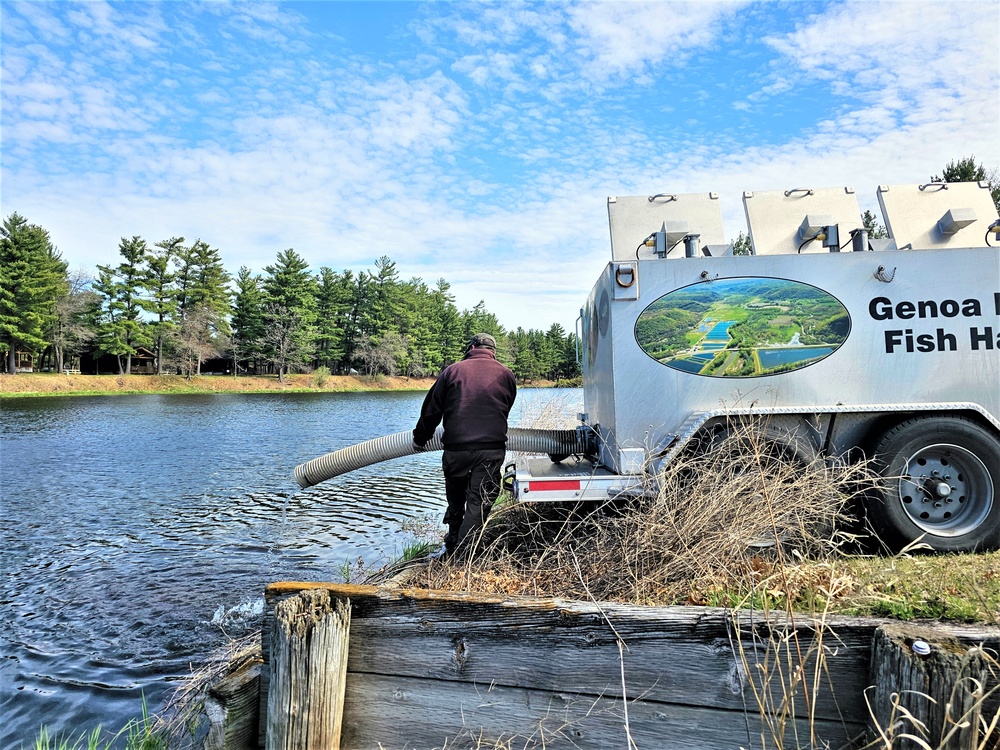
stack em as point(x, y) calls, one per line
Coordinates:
point(743, 328)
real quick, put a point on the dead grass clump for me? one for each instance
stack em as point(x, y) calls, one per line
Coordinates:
point(731, 516)
point(183, 719)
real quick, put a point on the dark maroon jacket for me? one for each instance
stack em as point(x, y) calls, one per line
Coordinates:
point(473, 398)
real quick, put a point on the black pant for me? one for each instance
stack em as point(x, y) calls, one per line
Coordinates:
point(472, 484)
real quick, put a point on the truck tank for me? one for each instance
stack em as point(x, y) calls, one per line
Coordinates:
point(844, 343)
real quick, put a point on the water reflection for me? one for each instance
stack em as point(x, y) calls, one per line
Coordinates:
point(138, 531)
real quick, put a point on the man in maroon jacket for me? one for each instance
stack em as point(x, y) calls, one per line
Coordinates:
point(473, 398)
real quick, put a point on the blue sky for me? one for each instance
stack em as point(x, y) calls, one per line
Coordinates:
point(472, 141)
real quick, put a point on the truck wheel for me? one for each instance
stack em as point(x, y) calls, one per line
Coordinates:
point(941, 476)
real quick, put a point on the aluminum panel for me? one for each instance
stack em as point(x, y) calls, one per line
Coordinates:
point(938, 215)
point(597, 363)
point(540, 480)
point(929, 336)
point(633, 218)
point(779, 219)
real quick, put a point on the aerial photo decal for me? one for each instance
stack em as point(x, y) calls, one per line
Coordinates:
point(743, 328)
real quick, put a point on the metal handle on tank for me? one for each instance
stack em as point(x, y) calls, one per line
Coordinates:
point(577, 329)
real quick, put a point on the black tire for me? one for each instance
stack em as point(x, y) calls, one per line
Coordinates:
point(940, 481)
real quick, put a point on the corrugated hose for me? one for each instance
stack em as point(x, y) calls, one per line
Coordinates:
point(387, 447)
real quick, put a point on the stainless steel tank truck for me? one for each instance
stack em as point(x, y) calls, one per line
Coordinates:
point(844, 342)
point(840, 341)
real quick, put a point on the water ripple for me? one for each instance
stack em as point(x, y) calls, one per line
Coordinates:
point(139, 533)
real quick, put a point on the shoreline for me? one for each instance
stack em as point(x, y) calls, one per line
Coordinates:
point(39, 385)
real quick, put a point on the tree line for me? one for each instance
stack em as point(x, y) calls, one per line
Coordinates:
point(178, 301)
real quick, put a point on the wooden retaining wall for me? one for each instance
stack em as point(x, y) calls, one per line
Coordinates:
point(429, 669)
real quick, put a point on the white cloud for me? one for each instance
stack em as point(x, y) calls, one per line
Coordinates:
point(625, 38)
point(100, 23)
point(215, 96)
point(36, 17)
point(414, 115)
point(566, 46)
point(912, 50)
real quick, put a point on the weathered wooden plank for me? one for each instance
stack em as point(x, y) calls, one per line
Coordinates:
point(431, 655)
point(231, 708)
point(942, 689)
point(411, 714)
point(308, 672)
point(673, 654)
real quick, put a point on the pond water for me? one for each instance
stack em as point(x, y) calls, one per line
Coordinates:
point(720, 331)
point(686, 365)
point(774, 357)
point(138, 533)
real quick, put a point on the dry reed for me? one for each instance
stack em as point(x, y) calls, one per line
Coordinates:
point(727, 516)
point(58, 384)
point(183, 719)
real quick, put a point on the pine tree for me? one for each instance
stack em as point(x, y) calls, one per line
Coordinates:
point(121, 330)
point(448, 323)
point(209, 282)
point(290, 312)
point(333, 301)
point(525, 365)
point(481, 320)
point(968, 170)
point(355, 315)
point(875, 230)
point(384, 308)
point(743, 245)
point(161, 296)
point(417, 323)
point(203, 303)
point(183, 277)
point(247, 323)
point(32, 277)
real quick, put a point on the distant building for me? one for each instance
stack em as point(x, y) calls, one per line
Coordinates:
point(143, 363)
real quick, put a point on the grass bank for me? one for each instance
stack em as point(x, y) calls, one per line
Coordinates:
point(733, 527)
point(55, 384)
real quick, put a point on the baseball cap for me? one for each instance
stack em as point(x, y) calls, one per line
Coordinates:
point(483, 339)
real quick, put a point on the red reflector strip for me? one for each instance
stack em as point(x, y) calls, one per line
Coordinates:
point(550, 486)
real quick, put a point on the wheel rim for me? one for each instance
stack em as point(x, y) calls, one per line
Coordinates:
point(946, 490)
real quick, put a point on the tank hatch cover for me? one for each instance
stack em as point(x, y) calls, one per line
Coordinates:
point(937, 214)
point(781, 221)
point(634, 217)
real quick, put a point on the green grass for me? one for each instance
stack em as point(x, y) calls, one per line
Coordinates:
point(139, 734)
point(959, 588)
point(418, 550)
point(956, 588)
point(721, 311)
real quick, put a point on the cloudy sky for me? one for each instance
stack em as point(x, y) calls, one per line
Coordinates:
point(477, 142)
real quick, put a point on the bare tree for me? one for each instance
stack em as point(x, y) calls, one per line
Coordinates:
point(416, 366)
point(199, 338)
point(71, 329)
point(286, 339)
point(380, 356)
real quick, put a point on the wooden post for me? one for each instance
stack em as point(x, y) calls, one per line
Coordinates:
point(231, 706)
point(939, 682)
point(309, 646)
